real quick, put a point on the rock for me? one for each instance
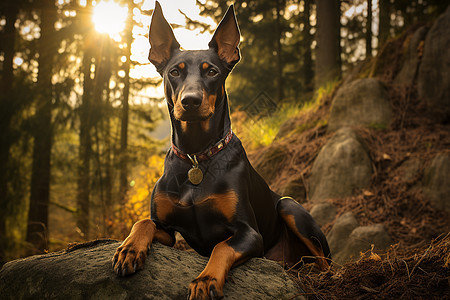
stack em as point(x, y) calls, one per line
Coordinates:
point(436, 182)
point(323, 213)
point(341, 167)
point(363, 102)
point(361, 240)
point(410, 65)
point(340, 232)
point(409, 169)
point(433, 83)
point(86, 273)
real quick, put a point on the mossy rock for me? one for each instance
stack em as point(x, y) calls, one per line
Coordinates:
point(363, 102)
point(86, 273)
point(342, 167)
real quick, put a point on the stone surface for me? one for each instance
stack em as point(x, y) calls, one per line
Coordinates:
point(323, 213)
point(410, 169)
point(363, 102)
point(341, 167)
point(340, 232)
point(433, 82)
point(410, 66)
point(436, 182)
point(361, 240)
point(86, 273)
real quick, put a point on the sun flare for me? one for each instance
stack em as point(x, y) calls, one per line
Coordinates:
point(109, 17)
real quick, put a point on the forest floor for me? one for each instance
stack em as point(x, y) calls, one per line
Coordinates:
point(400, 273)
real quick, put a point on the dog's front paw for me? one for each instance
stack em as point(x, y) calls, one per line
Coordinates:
point(205, 287)
point(129, 258)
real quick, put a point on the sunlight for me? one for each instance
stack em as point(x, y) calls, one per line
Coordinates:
point(109, 17)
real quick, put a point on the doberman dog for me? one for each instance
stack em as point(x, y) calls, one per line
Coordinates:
point(209, 191)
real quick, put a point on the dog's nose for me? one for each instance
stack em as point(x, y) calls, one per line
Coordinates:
point(191, 101)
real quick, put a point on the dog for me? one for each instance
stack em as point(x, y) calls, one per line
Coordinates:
point(209, 191)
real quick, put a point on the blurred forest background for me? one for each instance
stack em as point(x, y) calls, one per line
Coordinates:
point(84, 128)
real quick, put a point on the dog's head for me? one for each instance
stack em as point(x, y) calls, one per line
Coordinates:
point(194, 80)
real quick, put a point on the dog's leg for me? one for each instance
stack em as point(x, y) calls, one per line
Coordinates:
point(231, 252)
point(300, 222)
point(130, 256)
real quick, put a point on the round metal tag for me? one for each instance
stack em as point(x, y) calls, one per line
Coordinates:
point(195, 175)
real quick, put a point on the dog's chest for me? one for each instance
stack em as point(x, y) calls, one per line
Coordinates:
point(194, 205)
point(203, 220)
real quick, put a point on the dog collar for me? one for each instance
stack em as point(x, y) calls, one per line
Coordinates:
point(206, 154)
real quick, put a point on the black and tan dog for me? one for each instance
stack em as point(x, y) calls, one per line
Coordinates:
point(209, 191)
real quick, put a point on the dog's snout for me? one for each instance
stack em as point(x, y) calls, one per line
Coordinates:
point(191, 101)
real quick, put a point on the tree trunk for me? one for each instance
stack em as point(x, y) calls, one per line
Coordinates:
point(384, 24)
point(37, 231)
point(308, 72)
point(85, 152)
point(107, 211)
point(280, 94)
point(328, 61)
point(369, 29)
point(125, 108)
point(6, 112)
point(101, 103)
point(85, 148)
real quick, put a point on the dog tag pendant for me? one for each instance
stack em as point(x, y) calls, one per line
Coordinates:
point(195, 175)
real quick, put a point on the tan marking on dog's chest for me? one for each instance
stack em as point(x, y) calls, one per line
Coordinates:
point(224, 203)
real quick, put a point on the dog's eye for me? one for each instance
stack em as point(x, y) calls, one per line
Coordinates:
point(212, 72)
point(175, 73)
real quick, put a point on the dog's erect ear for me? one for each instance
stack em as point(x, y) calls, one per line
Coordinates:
point(162, 40)
point(226, 38)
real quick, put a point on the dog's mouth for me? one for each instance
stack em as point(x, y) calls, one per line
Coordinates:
point(193, 117)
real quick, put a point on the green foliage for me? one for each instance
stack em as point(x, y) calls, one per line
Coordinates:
point(377, 126)
point(257, 132)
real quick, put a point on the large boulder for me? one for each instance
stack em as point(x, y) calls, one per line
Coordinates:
point(323, 213)
point(86, 273)
point(414, 47)
point(433, 83)
point(361, 240)
point(338, 236)
point(347, 240)
point(341, 167)
point(436, 182)
point(363, 102)
point(409, 169)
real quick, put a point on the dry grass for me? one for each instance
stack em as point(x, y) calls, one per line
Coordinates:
point(406, 274)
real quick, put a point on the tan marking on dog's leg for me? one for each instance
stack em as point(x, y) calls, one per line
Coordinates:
point(212, 278)
point(130, 256)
